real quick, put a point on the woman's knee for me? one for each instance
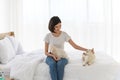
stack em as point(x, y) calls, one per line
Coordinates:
point(50, 61)
point(62, 62)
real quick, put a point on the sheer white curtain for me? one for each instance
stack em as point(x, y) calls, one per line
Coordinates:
point(116, 29)
point(4, 16)
point(30, 22)
point(35, 19)
point(90, 23)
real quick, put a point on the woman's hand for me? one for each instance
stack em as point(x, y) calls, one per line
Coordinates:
point(55, 58)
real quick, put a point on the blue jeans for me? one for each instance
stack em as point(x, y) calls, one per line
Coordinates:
point(56, 67)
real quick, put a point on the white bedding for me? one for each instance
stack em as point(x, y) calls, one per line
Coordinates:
point(32, 67)
point(104, 68)
point(22, 67)
point(6, 67)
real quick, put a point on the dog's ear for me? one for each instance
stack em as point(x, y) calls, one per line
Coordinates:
point(84, 53)
point(92, 50)
point(51, 48)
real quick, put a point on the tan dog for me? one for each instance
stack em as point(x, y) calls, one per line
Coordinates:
point(88, 57)
point(59, 53)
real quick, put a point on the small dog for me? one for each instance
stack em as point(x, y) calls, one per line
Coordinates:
point(59, 53)
point(88, 57)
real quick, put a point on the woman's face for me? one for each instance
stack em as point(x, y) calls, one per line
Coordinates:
point(57, 28)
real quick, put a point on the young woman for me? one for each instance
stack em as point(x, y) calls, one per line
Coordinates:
point(57, 38)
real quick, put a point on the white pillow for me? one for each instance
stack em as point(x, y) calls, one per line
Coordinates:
point(7, 51)
point(20, 49)
point(13, 42)
point(17, 46)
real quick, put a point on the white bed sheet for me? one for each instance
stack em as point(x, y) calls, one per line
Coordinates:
point(104, 68)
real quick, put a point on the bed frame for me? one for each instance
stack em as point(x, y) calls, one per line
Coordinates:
point(2, 35)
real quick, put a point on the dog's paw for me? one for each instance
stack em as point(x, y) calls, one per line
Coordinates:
point(89, 64)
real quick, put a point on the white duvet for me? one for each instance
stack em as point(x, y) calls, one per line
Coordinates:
point(24, 66)
point(34, 68)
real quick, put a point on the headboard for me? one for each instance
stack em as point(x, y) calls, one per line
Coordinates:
point(2, 35)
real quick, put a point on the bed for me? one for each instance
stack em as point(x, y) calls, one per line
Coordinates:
point(104, 68)
point(32, 66)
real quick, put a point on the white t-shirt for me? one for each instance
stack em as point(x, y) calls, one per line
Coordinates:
point(57, 41)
